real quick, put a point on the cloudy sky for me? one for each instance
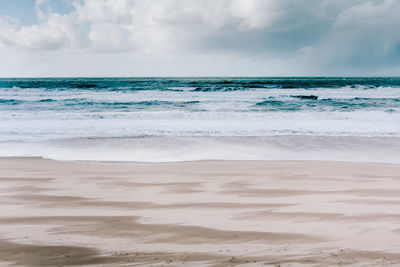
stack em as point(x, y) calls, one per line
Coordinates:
point(199, 37)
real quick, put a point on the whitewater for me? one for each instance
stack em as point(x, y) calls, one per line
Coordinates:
point(180, 119)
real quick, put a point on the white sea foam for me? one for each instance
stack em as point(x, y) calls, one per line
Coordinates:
point(192, 125)
point(43, 126)
point(213, 96)
point(170, 149)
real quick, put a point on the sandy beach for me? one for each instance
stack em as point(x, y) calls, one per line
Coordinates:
point(206, 213)
point(199, 133)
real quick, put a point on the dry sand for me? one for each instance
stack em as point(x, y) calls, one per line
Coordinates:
point(205, 213)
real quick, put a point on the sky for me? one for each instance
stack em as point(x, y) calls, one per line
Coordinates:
point(119, 38)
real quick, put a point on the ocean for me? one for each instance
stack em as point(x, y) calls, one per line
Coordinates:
point(180, 119)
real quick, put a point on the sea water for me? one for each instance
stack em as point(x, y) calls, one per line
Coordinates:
point(175, 119)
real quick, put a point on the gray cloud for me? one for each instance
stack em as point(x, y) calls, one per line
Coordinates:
point(322, 37)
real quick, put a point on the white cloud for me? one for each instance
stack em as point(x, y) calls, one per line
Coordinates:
point(302, 35)
point(55, 31)
point(139, 24)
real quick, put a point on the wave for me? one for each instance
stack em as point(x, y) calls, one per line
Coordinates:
point(200, 84)
point(84, 105)
point(222, 103)
point(84, 108)
point(10, 101)
point(170, 149)
point(308, 97)
point(133, 103)
point(47, 100)
point(219, 89)
point(312, 102)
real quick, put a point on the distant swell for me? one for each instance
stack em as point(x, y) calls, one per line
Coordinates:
point(198, 84)
point(42, 110)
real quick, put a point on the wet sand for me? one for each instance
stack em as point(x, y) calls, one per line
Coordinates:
point(204, 213)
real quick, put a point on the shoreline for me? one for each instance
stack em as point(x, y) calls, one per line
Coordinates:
point(215, 213)
point(191, 161)
point(186, 149)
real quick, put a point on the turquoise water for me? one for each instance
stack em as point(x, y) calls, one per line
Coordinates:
point(59, 111)
point(201, 94)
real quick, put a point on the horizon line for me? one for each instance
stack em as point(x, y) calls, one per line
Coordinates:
point(217, 76)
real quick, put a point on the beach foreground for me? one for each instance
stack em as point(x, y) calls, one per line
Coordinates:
point(216, 213)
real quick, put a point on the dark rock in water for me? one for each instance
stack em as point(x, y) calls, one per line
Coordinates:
point(311, 97)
